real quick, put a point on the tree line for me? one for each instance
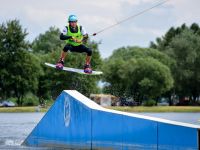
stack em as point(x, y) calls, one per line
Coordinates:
point(170, 67)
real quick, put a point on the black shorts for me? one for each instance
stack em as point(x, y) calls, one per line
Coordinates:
point(80, 49)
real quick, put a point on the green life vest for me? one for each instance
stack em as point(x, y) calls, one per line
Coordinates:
point(77, 35)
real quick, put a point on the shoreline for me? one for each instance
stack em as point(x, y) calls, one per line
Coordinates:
point(22, 109)
point(158, 109)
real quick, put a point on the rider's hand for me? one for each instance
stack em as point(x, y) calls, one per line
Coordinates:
point(76, 40)
point(85, 38)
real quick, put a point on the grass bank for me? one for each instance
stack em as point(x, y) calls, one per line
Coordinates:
point(157, 109)
point(126, 109)
point(22, 109)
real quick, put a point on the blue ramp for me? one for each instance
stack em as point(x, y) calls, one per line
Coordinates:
point(76, 122)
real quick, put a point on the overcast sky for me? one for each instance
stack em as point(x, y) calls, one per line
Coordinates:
point(38, 15)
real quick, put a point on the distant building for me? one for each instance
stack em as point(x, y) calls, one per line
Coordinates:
point(104, 99)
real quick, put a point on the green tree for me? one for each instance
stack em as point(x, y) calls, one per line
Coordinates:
point(46, 45)
point(163, 42)
point(138, 72)
point(19, 69)
point(47, 42)
point(181, 44)
point(23, 74)
point(185, 49)
point(146, 76)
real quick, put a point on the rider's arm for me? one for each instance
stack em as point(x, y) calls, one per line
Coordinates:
point(63, 35)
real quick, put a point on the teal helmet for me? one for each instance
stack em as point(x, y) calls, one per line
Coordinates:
point(72, 18)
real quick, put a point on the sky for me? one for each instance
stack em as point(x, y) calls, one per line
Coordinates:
point(37, 16)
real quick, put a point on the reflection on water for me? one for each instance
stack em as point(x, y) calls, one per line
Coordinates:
point(15, 127)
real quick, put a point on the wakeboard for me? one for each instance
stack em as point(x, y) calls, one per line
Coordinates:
point(79, 71)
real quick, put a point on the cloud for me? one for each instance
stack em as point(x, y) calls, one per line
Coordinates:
point(186, 11)
point(37, 16)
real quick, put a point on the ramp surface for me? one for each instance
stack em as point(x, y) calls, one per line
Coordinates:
point(76, 122)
